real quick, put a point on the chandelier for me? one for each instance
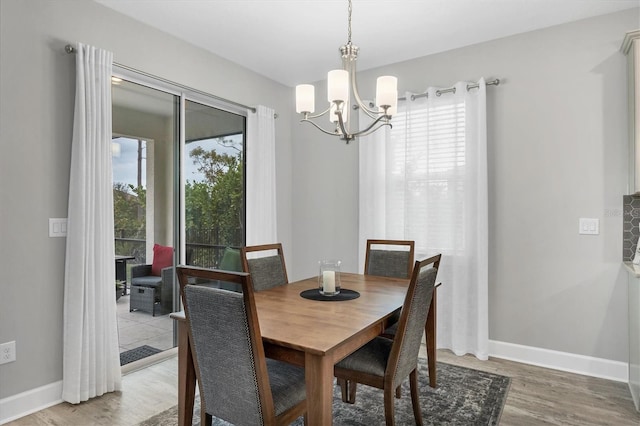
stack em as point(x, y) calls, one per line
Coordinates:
point(342, 82)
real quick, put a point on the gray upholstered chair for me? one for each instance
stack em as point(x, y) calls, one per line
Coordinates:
point(237, 383)
point(389, 262)
point(385, 363)
point(267, 271)
point(430, 331)
point(392, 329)
point(383, 260)
point(388, 258)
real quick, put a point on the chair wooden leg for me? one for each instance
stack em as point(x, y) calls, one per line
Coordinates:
point(430, 333)
point(344, 389)
point(415, 400)
point(389, 414)
point(348, 389)
point(207, 419)
point(399, 392)
point(352, 387)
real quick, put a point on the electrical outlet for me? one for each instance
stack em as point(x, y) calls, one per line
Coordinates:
point(7, 352)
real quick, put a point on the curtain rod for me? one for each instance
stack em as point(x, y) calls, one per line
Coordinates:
point(494, 82)
point(70, 49)
point(451, 90)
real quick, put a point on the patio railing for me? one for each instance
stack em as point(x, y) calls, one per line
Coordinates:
point(200, 250)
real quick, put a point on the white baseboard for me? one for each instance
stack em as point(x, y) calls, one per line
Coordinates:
point(25, 403)
point(564, 361)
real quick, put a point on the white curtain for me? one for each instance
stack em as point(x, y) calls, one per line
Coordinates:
point(372, 198)
point(91, 363)
point(426, 180)
point(261, 177)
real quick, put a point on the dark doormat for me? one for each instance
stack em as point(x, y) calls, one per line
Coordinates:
point(137, 353)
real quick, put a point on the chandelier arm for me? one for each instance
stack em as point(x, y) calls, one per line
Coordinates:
point(374, 115)
point(370, 112)
point(320, 128)
point(364, 131)
point(343, 128)
point(309, 117)
point(373, 130)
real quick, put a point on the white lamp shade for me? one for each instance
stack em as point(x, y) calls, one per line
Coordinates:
point(305, 98)
point(387, 91)
point(333, 117)
point(338, 85)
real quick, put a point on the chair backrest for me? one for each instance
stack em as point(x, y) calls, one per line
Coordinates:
point(406, 343)
point(230, 260)
point(396, 262)
point(267, 271)
point(225, 338)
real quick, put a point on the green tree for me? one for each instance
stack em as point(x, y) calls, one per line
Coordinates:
point(129, 215)
point(216, 203)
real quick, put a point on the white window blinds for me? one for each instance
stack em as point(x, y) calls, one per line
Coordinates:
point(426, 161)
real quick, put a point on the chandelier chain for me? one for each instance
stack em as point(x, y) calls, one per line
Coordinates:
point(349, 27)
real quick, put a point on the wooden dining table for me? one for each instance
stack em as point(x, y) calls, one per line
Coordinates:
point(310, 333)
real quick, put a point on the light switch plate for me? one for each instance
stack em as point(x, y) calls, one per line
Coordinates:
point(589, 226)
point(57, 227)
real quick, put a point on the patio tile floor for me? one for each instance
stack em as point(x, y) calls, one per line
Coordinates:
point(140, 328)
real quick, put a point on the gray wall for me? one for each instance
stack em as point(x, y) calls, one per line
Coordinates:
point(557, 151)
point(36, 112)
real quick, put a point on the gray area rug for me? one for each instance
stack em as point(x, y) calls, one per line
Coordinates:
point(463, 397)
point(137, 353)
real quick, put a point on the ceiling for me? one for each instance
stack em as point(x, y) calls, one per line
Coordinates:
point(297, 41)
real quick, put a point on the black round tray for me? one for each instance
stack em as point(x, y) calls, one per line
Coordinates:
point(345, 294)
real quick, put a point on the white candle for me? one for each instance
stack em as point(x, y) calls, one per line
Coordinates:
point(328, 281)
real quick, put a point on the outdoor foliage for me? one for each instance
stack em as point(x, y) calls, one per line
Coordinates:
point(214, 211)
point(129, 218)
point(216, 204)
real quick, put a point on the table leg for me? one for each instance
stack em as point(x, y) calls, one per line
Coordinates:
point(430, 332)
point(319, 381)
point(186, 377)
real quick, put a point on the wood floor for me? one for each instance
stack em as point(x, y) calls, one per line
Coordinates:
point(540, 396)
point(537, 396)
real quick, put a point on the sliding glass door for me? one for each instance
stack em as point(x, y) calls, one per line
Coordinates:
point(213, 183)
point(179, 198)
point(144, 145)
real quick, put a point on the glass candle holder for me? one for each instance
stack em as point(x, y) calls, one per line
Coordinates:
point(329, 277)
